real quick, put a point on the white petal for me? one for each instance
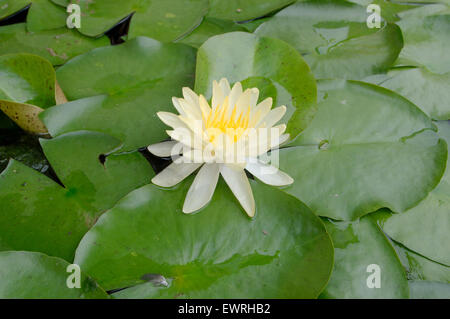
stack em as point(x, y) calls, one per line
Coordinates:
point(237, 181)
point(204, 106)
point(269, 174)
point(175, 173)
point(262, 109)
point(254, 97)
point(191, 110)
point(171, 120)
point(177, 106)
point(217, 95)
point(190, 96)
point(273, 117)
point(225, 86)
point(202, 189)
point(243, 102)
point(235, 93)
point(164, 149)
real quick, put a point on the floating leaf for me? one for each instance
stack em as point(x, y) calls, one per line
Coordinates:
point(427, 90)
point(44, 15)
point(29, 199)
point(30, 275)
point(140, 78)
point(9, 7)
point(335, 39)
point(216, 253)
point(57, 46)
point(239, 55)
point(357, 246)
point(208, 28)
point(165, 20)
point(426, 33)
point(364, 150)
point(25, 116)
point(27, 78)
point(424, 228)
point(241, 10)
point(429, 290)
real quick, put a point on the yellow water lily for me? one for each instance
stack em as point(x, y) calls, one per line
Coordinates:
point(232, 135)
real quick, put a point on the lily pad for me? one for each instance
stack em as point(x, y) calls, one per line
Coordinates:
point(125, 86)
point(97, 185)
point(424, 228)
point(364, 150)
point(161, 20)
point(357, 246)
point(138, 63)
point(239, 55)
point(216, 253)
point(426, 33)
point(335, 39)
point(429, 290)
point(208, 28)
point(27, 78)
point(45, 15)
point(429, 91)
point(57, 46)
point(241, 10)
point(9, 7)
point(31, 275)
point(29, 199)
point(421, 268)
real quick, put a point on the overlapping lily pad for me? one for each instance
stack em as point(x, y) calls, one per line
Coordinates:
point(162, 20)
point(34, 275)
point(335, 39)
point(241, 10)
point(37, 214)
point(426, 33)
point(429, 290)
point(238, 56)
point(429, 91)
point(424, 228)
point(359, 245)
point(216, 253)
point(120, 89)
point(57, 45)
point(364, 150)
point(27, 86)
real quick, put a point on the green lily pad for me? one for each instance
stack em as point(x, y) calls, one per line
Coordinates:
point(9, 7)
point(429, 290)
point(96, 185)
point(335, 39)
point(216, 253)
point(421, 268)
point(139, 77)
point(57, 46)
point(27, 78)
point(429, 91)
point(208, 28)
point(161, 20)
point(138, 63)
point(241, 10)
point(364, 150)
point(29, 275)
point(37, 214)
point(424, 228)
point(426, 33)
point(239, 55)
point(45, 15)
point(358, 245)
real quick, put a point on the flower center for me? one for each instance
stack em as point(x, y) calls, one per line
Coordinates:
point(224, 120)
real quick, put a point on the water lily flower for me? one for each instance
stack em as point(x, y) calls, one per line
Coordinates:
point(227, 138)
